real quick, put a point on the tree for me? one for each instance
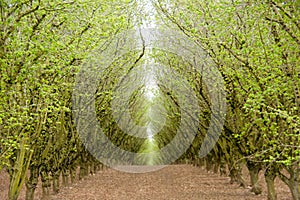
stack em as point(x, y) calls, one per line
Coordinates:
point(256, 47)
point(42, 45)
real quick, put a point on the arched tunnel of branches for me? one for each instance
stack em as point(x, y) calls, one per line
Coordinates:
point(74, 72)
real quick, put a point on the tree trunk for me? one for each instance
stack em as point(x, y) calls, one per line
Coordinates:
point(235, 175)
point(296, 184)
point(55, 181)
point(31, 183)
point(209, 163)
point(73, 175)
point(216, 168)
point(198, 162)
point(270, 177)
point(293, 182)
point(96, 166)
point(254, 169)
point(295, 187)
point(18, 171)
point(65, 177)
point(92, 168)
point(223, 168)
point(45, 185)
point(101, 166)
point(83, 170)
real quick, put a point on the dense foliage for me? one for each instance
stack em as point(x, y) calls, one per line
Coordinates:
point(255, 46)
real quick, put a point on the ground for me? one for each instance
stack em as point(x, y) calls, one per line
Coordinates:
point(174, 182)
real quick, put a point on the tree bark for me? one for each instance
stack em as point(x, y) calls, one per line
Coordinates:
point(235, 175)
point(45, 185)
point(31, 183)
point(216, 163)
point(270, 177)
point(293, 182)
point(83, 171)
point(73, 174)
point(223, 171)
point(254, 169)
point(208, 163)
point(55, 182)
point(65, 177)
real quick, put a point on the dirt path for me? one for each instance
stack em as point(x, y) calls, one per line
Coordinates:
point(175, 182)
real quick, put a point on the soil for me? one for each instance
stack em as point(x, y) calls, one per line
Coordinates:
point(174, 182)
